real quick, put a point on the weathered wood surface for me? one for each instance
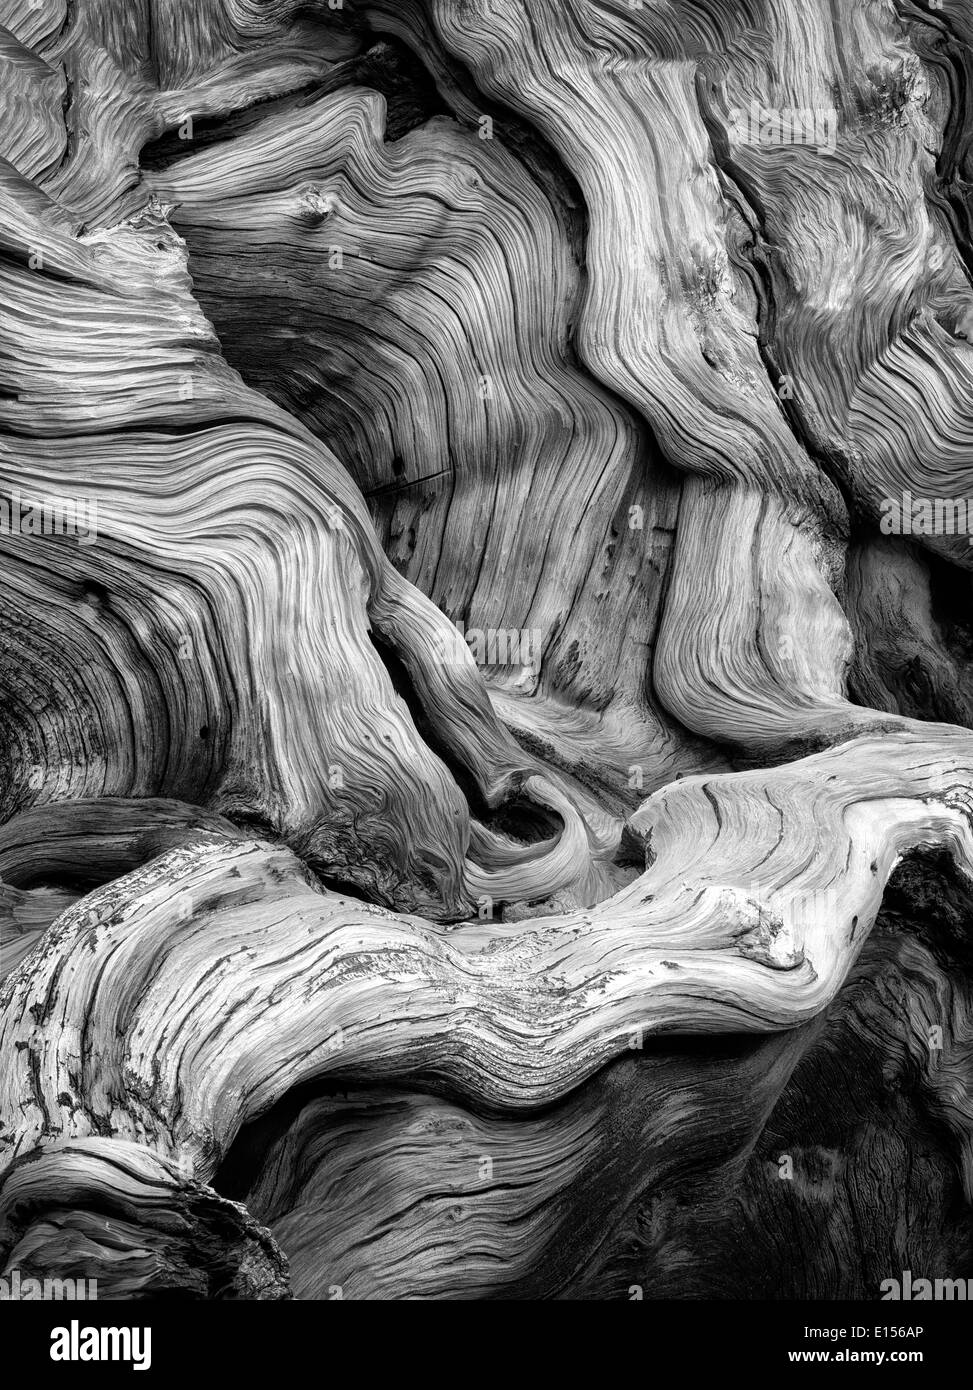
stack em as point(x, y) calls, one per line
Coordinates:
point(344, 951)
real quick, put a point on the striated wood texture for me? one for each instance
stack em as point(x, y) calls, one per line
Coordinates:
point(486, 775)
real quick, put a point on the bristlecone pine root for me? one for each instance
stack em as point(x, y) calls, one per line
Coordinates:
point(486, 770)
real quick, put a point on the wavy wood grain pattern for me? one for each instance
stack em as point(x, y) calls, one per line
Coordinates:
point(486, 786)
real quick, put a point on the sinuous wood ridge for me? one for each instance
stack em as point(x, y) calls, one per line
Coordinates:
point(486, 786)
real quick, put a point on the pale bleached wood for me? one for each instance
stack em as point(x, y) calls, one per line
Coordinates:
point(324, 848)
